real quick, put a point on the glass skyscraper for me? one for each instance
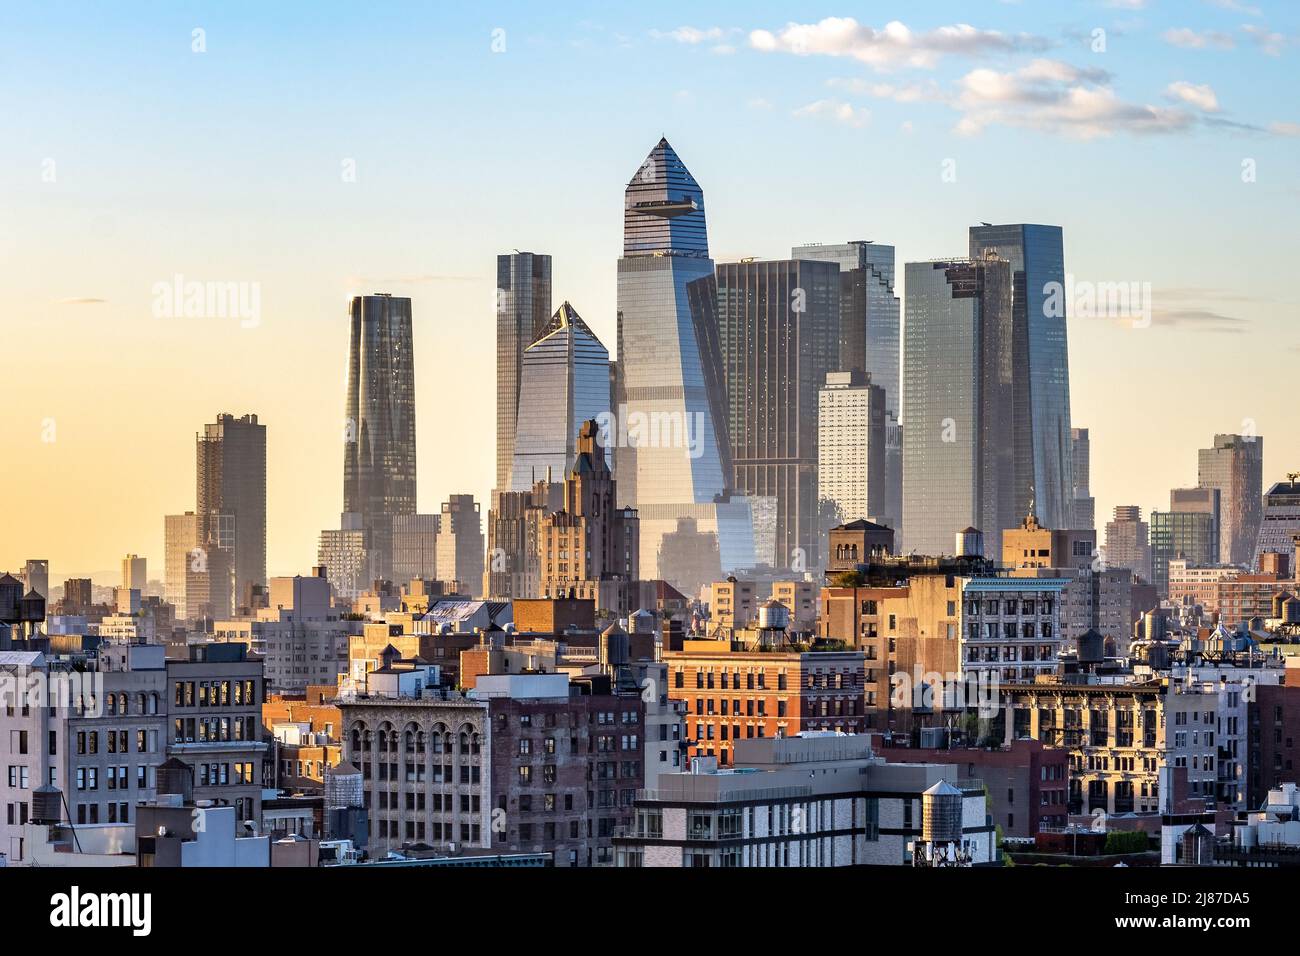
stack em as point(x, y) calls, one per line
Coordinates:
point(1235, 465)
point(564, 381)
point(523, 310)
point(230, 472)
point(1044, 452)
point(669, 457)
point(959, 380)
point(779, 336)
point(379, 439)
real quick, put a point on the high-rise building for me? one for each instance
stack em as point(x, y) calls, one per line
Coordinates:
point(870, 336)
point(512, 567)
point(1188, 530)
point(1280, 522)
point(181, 538)
point(851, 447)
point(135, 574)
point(523, 310)
point(869, 310)
point(379, 439)
point(1085, 506)
point(668, 452)
point(778, 332)
point(230, 499)
point(588, 541)
point(347, 558)
point(1235, 465)
point(1037, 258)
point(36, 577)
point(415, 547)
point(1128, 542)
point(460, 544)
point(564, 381)
point(960, 382)
point(78, 595)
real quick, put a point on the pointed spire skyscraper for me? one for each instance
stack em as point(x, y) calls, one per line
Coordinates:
point(670, 462)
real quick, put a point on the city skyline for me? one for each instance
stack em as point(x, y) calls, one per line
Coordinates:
point(284, 364)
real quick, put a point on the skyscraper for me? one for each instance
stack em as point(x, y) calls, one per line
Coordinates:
point(851, 447)
point(230, 499)
point(1037, 258)
point(1235, 465)
point(1128, 542)
point(135, 574)
point(564, 381)
point(778, 332)
point(36, 577)
point(959, 387)
point(669, 456)
point(460, 544)
point(379, 437)
point(870, 336)
point(180, 539)
point(1085, 506)
point(1280, 521)
point(523, 309)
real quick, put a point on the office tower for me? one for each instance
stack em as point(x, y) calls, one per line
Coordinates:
point(851, 447)
point(135, 573)
point(460, 544)
point(1128, 542)
point(1189, 530)
point(869, 310)
point(960, 379)
point(1280, 522)
point(1037, 258)
point(669, 456)
point(1085, 506)
point(893, 506)
point(1235, 465)
point(36, 577)
point(346, 556)
point(587, 542)
point(180, 539)
point(512, 567)
point(379, 442)
point(778, 333)
point(231, 482)
point(1205, 501)
point(523, 310)
point(78, 595)
point(415, 547)
point(564, 381)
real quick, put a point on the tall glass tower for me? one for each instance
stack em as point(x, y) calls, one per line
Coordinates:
point(230, 477)
point(668, 454)
point(959, 379)
point(564, 381)
point(523, 310)
point(379, 439)
point(1037, 258)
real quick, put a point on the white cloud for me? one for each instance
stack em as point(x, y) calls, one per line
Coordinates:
point(892, 46)
point(1285, 129)
point(1201, 95)
point(1236, 6)
point(1189, 39)
point(1272, 43)
point(838, 110)
point(690, 35)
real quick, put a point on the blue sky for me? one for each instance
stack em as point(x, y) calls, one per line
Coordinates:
point(226, 164)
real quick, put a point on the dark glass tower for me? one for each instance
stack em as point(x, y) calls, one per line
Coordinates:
point(1044, 445)
point(523, 311)
point(230, 468)
point(779, 334)
point(959, 380)
point(379, 444)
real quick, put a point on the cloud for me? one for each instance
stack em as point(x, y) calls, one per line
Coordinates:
point(1270, 42)
point(891, 47)
point(838, 110)
point(1189, 39)
point(690, 35)
point(1198, 320)
point(1282, 128)
point(1055, 97)
point(1236, 6)
point(81, 300)
point(1201, 96)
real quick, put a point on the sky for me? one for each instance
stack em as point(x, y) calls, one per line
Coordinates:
point(309, 152)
